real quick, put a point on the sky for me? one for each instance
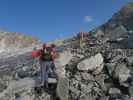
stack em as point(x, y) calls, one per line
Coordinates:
point(55, 19)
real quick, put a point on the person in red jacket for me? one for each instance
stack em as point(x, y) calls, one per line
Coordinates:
point(47, 56)
point(53, 53)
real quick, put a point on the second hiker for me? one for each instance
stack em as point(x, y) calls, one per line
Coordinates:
point(47, 55)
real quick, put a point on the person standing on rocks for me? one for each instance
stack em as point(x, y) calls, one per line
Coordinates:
point(47, 56)
point(53, 53)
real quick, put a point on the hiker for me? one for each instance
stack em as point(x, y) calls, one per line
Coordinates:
point(47, 56)
point(53, 53)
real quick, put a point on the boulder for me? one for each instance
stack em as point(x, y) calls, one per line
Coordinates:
point(86, 88)
point(63, 59)
point(77, 77)
point(122, 72)
point(104, 98)
point(131, 91)
point(62, 88)
point(130, 60)
point(3, 85)
point(74, 83)
point(94, 64)
point(74, 92)
point(110, 67)
point(116, 58)
point(87, 97)
point(87, 76)
point(100, 80)
point(99, 33)
point(114, 91)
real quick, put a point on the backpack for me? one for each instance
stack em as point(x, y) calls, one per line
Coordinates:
point(46, 54)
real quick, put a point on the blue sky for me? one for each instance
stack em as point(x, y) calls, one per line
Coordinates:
point(55, 19)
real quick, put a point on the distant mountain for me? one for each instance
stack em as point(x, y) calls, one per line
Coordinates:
point(119, 28)
point(10, 40)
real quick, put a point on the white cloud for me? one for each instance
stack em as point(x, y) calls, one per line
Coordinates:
point(88, 18)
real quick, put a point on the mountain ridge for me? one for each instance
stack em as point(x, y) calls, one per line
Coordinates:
point(14, 40)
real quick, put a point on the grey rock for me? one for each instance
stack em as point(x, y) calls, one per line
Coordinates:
point(86, 88)
point(3, 85)
point(99, 33)
point(104, 98)
point(110, 67)
point(130, 60)
point(118, 32)
point(131, 91)
point(62, 88)
point(119, 97)
point(98, 91)
point(122, 72)
point(95, 64)
point(87, 76)
point(114, 91)
point(87, 97)
point(78, 77)
point(100, 80)
point(74, 83)
point(116, 58)
point(75, 92)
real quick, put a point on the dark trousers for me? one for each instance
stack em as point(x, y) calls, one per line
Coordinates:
point(45, 69)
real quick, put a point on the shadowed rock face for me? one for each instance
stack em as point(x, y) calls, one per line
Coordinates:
point(119, 28)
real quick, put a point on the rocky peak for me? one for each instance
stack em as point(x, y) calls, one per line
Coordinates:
point(122, 17)
point(119, 28)
point(127, 10)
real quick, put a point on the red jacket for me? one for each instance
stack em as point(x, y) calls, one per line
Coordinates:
point(53, 54)
point(37, 53)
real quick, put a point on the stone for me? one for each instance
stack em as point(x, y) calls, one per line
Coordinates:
point(87, 76)
point(60, 63)
point(130, 60)
point(99, 33)
point(104, 98)
point(114, 91)
point(64, 58)
point(116, 58)
point(122, 72)
point(100, 80)
point(3, 85)
point(110, 67)
point(119, 97)
point(94, 63)
point(62, 88)
point(98, 91)
point(75, 83)
point(87, 97)
point(45, 96)
point(52, 80)
point(77, 77)
point(75, 92)
point(130, 91)
point(86, 88)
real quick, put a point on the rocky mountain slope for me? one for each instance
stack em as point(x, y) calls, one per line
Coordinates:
point(100, 67)
point(119, 28)
point(10, 40)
